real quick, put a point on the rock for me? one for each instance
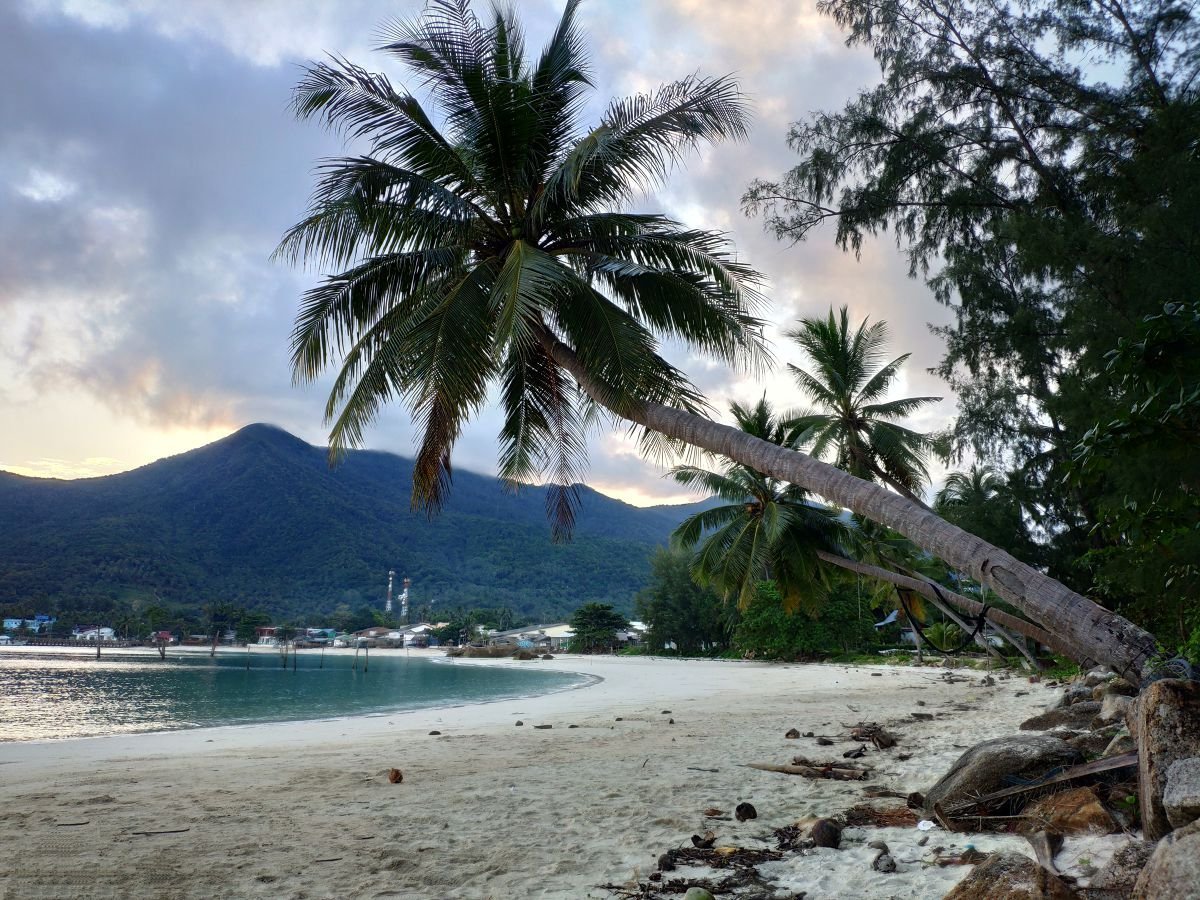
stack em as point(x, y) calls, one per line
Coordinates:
point(1116, 880)
point(1077, 811)
point(879, 845)
point(670, 721)
point(884, 863)
point(988, 766)
point(519, 722)
point(395, 776)
point(547, 656)
point(744, 811)
point(1181, 797)
point(572, 726)
point(792, 734)
point(543, 727)
point(1168, 729)
point(1113, 708)
point(1075, 693)
point(1010, 876)
point(1077, 716)
point(826, 833)
point(1117, 686)
point(824, 742)
point(666, 712)
point(705, 841)
point(1098, 675)
point(665, 863)
point(696, 893)
point(1173, 872)
point(1122, 742)
point(1091, 743)
point(434, 733)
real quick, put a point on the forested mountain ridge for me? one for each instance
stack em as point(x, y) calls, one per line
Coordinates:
point(259, 519)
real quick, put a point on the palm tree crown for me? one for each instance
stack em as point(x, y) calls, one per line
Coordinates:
point(471, 238)
point(766, 529)
point(856, 424)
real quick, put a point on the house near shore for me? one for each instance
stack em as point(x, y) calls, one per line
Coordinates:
point(36, 625)
point(93, 633)
point(535, 637)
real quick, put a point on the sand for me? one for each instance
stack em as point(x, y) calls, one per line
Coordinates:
point(490, 810)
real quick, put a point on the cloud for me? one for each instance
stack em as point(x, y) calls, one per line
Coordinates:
point(147, 174)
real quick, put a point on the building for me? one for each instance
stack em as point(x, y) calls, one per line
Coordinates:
point(36, 625)
point(93, 633)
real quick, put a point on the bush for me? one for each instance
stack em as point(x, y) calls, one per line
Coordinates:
point(768, 632)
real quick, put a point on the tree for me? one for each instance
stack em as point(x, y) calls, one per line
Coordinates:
point(855, 423)
point(680, 612)
point(981, 501)
point(496, 254)
point(767, 631)
point(595, 626)
point(248, 624)
point(765, 530)
point(1036, 162)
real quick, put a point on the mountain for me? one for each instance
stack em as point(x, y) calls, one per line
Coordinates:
point(260, 519)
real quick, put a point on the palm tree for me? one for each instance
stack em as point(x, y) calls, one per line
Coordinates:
point(982, 501)
point(766, 529)
point(856, 424)
point(493, 250)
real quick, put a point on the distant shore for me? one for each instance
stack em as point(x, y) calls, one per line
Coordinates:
point(489, 809)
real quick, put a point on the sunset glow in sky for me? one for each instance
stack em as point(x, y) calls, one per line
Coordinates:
point(149, 165)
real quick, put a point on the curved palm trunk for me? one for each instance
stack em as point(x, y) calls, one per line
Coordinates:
point(1089, 633)
point(966, 604)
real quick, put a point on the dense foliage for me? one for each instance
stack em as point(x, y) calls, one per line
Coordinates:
point(679, 613)
point(259, 520)
point(1038, 162)
point(844, 623)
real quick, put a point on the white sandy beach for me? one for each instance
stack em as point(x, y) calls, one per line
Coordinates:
point(490, 810)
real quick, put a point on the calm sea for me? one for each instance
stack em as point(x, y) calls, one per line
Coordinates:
point(45, 696)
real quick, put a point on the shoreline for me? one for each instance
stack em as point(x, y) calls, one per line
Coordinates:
point(436, 656)
point(486, 809)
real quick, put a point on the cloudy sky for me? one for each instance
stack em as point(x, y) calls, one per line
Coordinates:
point(148, 166)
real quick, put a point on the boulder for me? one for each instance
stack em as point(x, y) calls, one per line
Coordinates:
point(1091, 743)
point(1011, 876)
point(1077, 716)
point(1122, 742)
point(1113, 708)
point(1168, 729)
point(698, 893)
point(1116, 686)
point(1077, 811)
point(1098, 675)
point(1181, 797)
point(1173, 872)
point(1116, 880)
point(1072, 694)
point(990, 765)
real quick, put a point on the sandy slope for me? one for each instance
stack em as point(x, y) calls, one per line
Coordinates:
point(487, 809)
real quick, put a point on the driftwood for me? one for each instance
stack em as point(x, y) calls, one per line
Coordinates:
point(890, 817)
point(830, 772)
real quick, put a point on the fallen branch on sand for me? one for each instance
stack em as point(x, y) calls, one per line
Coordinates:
point(830, 772)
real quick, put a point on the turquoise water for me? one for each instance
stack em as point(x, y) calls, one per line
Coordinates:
point(46, 696)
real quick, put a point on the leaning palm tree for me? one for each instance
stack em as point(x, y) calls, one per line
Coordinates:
point(766, 529)
point(855, 423)
point(488, 245)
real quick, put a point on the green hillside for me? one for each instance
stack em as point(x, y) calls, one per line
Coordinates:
point(259, 519)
